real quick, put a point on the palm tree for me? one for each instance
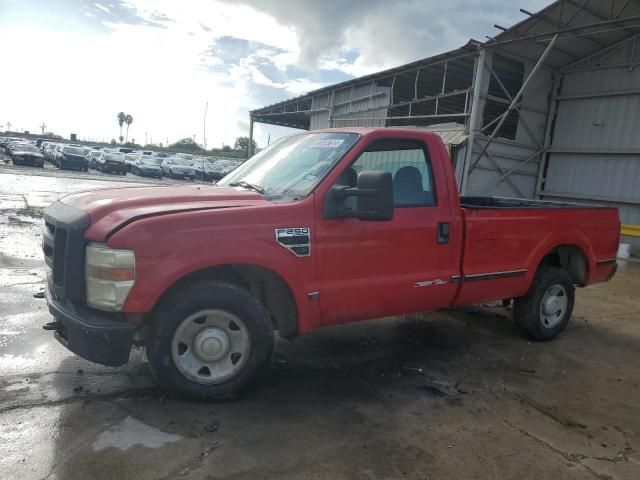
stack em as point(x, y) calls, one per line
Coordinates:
point(128, 119)
point(121, 119)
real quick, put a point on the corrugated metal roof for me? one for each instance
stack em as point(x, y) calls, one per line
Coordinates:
point(587, 27)
point(470, 47)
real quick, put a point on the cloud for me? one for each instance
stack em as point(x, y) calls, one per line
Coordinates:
point(162, 61)
point(76, 15)
point(384, 33)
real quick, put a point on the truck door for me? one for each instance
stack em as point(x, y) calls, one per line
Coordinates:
point(371, 269)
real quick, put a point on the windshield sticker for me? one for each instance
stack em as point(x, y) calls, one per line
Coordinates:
point(328, 143)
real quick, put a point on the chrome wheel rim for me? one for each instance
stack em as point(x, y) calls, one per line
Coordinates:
point(210, 346)
point(553, 306)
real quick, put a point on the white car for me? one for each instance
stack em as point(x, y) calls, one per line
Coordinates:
point(178, 167)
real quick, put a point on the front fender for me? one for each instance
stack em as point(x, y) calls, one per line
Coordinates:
point(170, 247)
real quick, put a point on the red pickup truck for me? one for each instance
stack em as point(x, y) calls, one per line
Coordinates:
point(319, 229)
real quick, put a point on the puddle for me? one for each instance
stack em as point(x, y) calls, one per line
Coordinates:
point(132, 432)
point(14, 362)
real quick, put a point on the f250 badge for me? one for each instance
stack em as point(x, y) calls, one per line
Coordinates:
point(295, 239)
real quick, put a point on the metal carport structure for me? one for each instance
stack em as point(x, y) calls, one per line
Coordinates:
point(550, 106)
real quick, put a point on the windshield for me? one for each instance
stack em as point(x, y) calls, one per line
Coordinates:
point(27, 148)
point(74, 150)
point(294, 165)
point(113, 156)
point(181, 161)
point(146, 160)
point(225, 163)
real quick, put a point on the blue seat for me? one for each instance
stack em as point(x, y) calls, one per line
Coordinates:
point(407, 188)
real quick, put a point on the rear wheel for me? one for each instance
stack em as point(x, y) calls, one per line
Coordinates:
point(209, 341)
point(543, 313)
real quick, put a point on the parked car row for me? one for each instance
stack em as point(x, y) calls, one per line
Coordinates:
point(214, 169)
point(22, 152)
point(119, 160)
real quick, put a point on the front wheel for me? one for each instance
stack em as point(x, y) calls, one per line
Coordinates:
point(209, 341)
point(543, 313)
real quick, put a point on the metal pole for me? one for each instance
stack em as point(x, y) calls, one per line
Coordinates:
point(553, 108)
point(250, 145)
point(515, 100)
point(476, 118)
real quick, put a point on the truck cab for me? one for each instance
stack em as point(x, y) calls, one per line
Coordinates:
point(322, 228)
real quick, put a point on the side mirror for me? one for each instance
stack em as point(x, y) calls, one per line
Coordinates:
point(374, 198)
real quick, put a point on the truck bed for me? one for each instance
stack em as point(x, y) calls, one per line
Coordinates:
point(505, 240)
point(503, 203)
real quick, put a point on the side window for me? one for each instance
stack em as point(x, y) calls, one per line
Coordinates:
point(408, 162)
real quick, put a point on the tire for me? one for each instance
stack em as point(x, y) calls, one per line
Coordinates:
point(213, 303)
point(536, 315)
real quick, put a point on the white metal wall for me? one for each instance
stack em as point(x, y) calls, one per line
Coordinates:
point(348, 107)
point(595, 149)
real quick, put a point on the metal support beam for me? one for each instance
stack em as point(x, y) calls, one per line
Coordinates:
point(587, 151)
point(402, 117)
point(250, 145)
point(617, 15)
point(613, 47)
point(548, 134)
point(522, 120)
point(411, 102)
point(612, 93)
point(590, 11)
point(506, 174)
point(516, 99)
point(561, 31)
point(543, 19)
point(592, 197)
point(475, 121)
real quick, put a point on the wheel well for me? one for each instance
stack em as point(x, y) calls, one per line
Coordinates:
point(569, 258)
point(266, 285)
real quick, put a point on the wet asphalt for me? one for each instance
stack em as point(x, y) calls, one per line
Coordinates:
point(450, 394)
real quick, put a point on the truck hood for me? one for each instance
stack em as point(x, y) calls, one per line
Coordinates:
point(109, 209)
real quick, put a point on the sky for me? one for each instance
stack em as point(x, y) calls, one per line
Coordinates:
point(75, 64)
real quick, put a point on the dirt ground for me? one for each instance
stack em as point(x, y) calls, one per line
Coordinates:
point(447, 395)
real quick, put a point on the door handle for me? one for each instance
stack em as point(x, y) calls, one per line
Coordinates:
point(444, 232)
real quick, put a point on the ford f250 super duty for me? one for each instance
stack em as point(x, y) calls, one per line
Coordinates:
point(319, 229)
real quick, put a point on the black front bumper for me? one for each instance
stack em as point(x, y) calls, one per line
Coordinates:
point(112, 168)
point(150, 173)
point(96, 336)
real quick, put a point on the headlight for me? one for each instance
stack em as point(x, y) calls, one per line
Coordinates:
point(110, 275)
